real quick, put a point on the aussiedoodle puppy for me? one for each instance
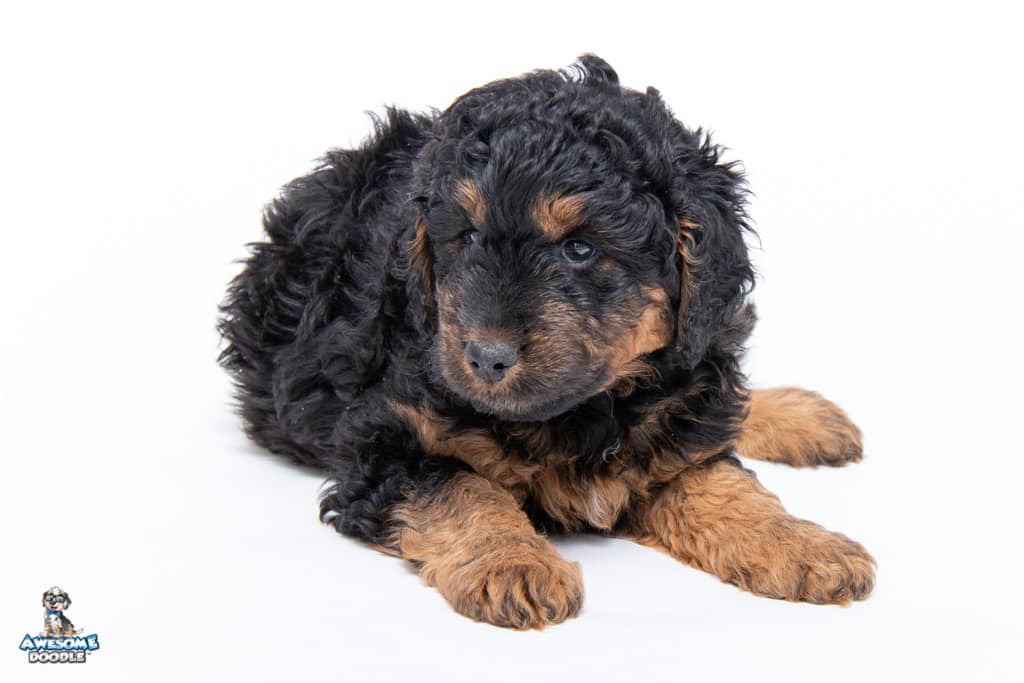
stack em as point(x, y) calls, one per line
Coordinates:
point(525, 315)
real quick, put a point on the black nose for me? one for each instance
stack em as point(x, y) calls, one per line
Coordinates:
point(491, 360)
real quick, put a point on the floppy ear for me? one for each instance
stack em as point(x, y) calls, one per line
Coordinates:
point(67, 601)
point(715, 271)
point(44, 598)
point(420, 273)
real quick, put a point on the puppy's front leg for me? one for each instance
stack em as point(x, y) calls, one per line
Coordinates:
point(471, 539)
point(799, 428)
point(718, 518)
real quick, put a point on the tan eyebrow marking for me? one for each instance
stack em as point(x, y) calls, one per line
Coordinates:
point(556, 217)
point(471, 198)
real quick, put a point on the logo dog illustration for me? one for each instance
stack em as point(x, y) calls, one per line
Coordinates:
point(56, 624)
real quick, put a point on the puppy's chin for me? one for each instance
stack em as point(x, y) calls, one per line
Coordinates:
point(540, 412)
point(535, 408)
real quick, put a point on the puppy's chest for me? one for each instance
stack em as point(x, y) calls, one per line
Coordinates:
point(576, 489)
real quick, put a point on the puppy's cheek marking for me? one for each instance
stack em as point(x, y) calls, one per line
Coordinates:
point(470, 197)
point(563, 336)
point(652, 331)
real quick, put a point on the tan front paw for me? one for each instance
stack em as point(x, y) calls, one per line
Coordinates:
point(800, 428)
point(519, 588)
point(812, 565)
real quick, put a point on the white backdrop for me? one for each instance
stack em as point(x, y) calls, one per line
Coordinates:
point(138, 147)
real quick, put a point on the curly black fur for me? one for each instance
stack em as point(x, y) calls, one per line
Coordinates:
point(335, 317)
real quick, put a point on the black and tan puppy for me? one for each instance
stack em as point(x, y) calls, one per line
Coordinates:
point(525, 314)
point(56, 624)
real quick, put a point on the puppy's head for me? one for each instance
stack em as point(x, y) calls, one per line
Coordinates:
point(56, 600)
point(569, 227)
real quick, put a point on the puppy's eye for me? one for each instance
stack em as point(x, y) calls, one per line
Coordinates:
point(470, 237)
point(578, 252)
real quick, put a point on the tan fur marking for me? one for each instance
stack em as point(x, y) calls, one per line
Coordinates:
point(652, 331)
point(420, 260)
point(633, 374)
point(477, 546)
point(598, 501)
point(644, 435)
point(475, 448)
point(687, 289)
point(556, 217)
point(471, 199)
point(799, 428)
point(662, 468)
point(685, 247)
point(720, 519)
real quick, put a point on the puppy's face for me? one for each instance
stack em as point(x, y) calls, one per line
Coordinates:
point(56, 600)
point(549, 289)
point(567, 227)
